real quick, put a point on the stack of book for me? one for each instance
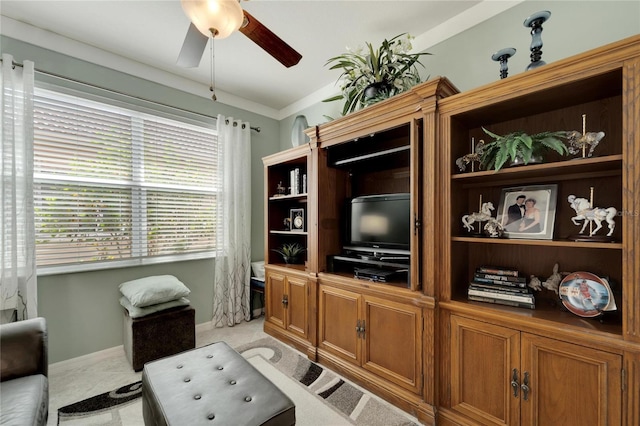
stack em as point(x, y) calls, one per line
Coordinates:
point(298, 182)
point(501, 286)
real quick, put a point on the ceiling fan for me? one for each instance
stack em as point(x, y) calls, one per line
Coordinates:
point(220, 18)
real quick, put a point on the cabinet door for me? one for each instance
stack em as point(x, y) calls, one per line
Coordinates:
point(338, 320)
point(275, 292)
point(297, 306)
point(483, 360)
point(392, 342)
point(570, 385)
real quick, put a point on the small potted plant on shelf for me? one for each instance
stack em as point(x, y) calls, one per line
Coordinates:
point(290, 252)
point(370, 75)
point(520, 148)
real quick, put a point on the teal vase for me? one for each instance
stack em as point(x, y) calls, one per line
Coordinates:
point(298, 137)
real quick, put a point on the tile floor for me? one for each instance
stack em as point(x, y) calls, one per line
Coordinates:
point(73, 380)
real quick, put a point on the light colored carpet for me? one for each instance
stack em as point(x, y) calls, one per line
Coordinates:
point(322, 398)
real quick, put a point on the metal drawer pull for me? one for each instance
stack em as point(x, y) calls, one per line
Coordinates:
point(514, 383)
point(525, 386)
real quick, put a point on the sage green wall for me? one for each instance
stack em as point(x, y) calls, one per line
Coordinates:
point(82, 309)
point(465, 59)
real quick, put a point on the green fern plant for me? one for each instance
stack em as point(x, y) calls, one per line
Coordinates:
point(519, 146)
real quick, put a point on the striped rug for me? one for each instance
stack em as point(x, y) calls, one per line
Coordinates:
point(354, 404)
point(321, 397)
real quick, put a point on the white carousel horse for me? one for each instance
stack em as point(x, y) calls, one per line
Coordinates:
point(585, 212)
point(482, 216)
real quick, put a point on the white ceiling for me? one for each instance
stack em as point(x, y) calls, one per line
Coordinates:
point(144, 38)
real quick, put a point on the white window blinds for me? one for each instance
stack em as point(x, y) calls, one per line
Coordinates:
point(115, 187)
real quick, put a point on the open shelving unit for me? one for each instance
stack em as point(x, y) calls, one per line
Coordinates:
point(603, 85)
point(278, 206)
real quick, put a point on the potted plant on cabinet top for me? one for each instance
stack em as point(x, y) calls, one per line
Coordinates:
point(370, 75)
point(520, 148)
point(290, 252)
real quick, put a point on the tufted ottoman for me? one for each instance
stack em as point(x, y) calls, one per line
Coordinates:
point(211, 385)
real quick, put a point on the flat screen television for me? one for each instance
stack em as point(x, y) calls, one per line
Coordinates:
point(381, 222)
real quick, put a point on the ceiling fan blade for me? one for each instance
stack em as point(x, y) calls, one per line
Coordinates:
point(192, 48)
point(271, 43)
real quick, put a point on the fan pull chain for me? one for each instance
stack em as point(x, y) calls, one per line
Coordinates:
point(212, 87)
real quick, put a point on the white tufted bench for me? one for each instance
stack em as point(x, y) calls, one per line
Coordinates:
point(211, 385)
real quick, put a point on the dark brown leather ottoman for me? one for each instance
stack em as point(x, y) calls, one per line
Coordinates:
point(211, 385)
point(158, 335)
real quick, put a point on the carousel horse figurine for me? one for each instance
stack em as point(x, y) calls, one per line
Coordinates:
point(577, 141)
point(482, 216)
point(493, 228)
point(463, 161)
point(586, 213)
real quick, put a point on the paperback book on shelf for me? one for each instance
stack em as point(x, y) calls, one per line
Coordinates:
point(504, 280)
point(497, 270)
point(502, 302)
point(503, 295)
point(295, 181)
point(499, 288)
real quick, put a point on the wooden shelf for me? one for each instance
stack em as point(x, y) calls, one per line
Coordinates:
point(546, 315)
point(288, 232)
point(577, 168)
point(352, 160)
point(547, 243)
point(299, 197)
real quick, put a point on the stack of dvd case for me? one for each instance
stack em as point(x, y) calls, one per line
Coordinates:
point(502, 286)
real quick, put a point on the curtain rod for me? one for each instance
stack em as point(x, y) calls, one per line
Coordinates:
point(17, 64)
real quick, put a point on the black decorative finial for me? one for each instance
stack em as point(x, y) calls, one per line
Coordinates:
point(503, 56)
point(535, 22)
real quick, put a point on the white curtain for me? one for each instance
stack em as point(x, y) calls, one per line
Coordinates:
point(18, 286)
point(233, 236)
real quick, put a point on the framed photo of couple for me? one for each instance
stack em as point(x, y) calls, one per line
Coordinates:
point(528, 212)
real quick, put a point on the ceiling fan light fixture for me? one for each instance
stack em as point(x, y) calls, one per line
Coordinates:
point(222, 16)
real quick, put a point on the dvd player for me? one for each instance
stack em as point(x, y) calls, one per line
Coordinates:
point(374, 274)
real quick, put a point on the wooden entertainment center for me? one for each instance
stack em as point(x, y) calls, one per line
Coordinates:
point(418, 342)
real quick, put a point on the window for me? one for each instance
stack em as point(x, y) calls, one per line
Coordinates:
point(116, 187)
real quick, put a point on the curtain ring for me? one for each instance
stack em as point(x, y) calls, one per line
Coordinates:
point(235, 124)
point(226, 121)
point(244, 126)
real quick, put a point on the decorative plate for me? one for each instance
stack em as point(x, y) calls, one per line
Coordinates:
point(585, 294)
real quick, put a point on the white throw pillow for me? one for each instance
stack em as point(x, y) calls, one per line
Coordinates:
point(258, 269)
point(135, 312)
point(153, 290)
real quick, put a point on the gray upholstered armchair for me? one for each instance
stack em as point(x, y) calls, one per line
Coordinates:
point(24, 385)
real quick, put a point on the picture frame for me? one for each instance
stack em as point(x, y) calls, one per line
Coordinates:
point(539, 222)
point(297, 220)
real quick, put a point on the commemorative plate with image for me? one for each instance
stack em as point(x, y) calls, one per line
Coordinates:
point(586, 295)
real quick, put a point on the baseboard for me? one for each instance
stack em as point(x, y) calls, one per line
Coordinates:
point(106, 353)
point(91, 358)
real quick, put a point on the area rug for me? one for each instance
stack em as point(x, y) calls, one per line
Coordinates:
point(322, 397)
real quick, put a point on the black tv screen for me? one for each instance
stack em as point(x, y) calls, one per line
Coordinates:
point(381, 221)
